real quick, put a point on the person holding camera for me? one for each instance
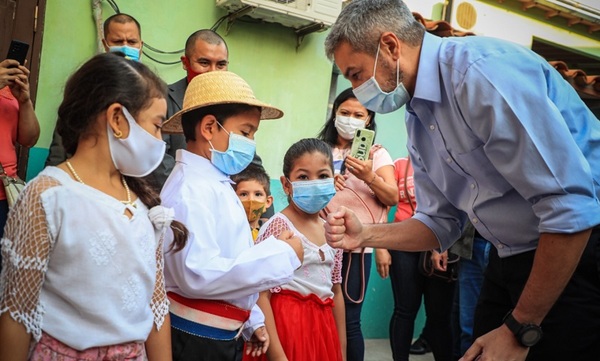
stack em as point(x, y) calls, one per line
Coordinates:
point(18, 123)
point(373, 181)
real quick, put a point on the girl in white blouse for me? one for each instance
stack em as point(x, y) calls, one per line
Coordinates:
point(82, 249)
point(305, 317)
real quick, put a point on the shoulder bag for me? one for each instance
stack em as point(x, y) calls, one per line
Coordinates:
point(358, 197)
point(12, 186)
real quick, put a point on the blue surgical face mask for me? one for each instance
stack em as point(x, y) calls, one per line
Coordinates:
point(373, 98)
point(238, 155)
point(130, 52)
point(313, 195)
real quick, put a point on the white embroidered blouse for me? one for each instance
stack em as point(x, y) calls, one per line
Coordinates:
point(322, 266)
point(78, 268)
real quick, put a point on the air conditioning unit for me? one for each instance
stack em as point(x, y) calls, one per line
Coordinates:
point(295, 14)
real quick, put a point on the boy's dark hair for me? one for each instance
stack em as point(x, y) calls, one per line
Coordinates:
point(253, 172)
point(222, 112)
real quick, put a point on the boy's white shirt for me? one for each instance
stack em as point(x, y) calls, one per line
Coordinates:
point(220, 260)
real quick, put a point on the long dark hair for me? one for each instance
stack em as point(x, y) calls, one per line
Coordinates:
point(329, 133)
point(103, 80)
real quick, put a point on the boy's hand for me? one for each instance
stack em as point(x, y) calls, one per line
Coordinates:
point(259, 343)
point(294, 242)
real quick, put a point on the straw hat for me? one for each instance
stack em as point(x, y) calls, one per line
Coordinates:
point(217, 87)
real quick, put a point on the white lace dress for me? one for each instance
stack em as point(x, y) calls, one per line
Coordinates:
point(322, 266)
point(78, 268)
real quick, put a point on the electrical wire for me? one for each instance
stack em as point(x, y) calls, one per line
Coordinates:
point(159, 61)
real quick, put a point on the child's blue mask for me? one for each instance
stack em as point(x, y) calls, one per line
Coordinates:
point(313, 195)
point(238, 155)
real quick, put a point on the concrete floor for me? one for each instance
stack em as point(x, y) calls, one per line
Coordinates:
point(379, 350)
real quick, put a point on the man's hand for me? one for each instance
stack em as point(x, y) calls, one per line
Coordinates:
point(383, 260)
point(497, 345)
point(343, 229)
point(259, 343)
point(288, 237)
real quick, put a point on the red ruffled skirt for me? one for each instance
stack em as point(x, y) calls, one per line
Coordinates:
point(306, 328)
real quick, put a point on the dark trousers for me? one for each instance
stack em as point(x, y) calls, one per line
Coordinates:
point(3, 218)
point(571, 328)
point(355, 348)
point(409, 286)
point(188, 347)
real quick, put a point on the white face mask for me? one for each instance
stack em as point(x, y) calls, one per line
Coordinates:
point(138, 154)
point(373, 98)
point(347, 126)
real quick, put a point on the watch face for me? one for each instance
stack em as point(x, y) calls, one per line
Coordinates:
point(530, 335)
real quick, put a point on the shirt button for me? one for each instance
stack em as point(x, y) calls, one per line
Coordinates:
point(472, 186)
point(475, 220)
point(432, 127)
point(449, 160)
point(500, 246)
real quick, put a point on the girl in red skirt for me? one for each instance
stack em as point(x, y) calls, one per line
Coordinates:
point(305, 318)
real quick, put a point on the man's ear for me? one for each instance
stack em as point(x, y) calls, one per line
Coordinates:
point(207, 127)
point(184, 62)
point(390, 45)
point(105, 45)
point(116, 120)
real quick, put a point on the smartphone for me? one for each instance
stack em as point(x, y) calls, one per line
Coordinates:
point(361, 145)
point(18, 51)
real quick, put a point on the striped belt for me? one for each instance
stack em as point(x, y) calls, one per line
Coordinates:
point(216, 320)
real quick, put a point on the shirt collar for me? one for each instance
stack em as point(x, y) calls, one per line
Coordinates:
point(428, 79)
point(201, 165)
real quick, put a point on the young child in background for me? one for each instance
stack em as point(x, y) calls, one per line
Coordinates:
point(83, 256)
point(252, 186)
point(305, 317)
point(213, 283)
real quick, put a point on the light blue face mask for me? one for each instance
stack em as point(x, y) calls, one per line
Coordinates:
point(130, 52)
point(313, 195)
point(238, 155)
point(373, 98)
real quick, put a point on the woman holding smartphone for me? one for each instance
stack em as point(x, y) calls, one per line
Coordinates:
point(373, 180)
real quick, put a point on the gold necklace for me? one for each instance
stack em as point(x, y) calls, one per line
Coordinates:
point(78, 178)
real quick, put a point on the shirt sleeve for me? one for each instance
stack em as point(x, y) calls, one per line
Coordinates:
point(382, 158)
point(206, 269)
point(256, 320)
point(533, 132)
point(26, 248)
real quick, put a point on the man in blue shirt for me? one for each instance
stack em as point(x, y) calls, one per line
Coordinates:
point(497, 137)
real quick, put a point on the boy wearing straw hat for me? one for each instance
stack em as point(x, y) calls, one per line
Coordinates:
point(213, 283)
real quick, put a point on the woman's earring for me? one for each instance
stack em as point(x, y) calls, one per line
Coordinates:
point(118, 134)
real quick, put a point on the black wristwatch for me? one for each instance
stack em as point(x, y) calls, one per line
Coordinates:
point(528, 334)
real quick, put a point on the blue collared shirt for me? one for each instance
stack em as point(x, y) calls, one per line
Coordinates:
point(497, 136)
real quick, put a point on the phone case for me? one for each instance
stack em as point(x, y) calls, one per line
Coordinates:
point(361, 145)
point(18, 51)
